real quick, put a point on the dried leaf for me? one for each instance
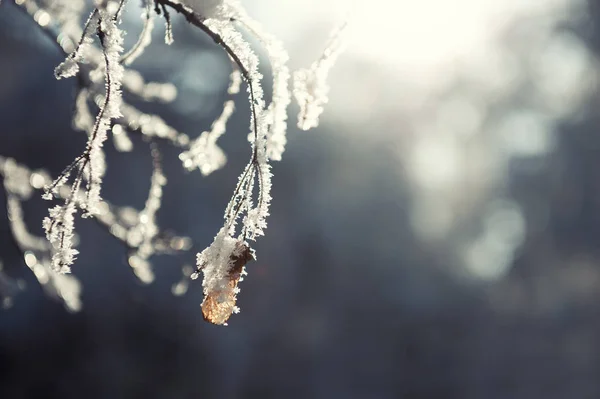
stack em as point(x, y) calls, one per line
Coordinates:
point(219, 304)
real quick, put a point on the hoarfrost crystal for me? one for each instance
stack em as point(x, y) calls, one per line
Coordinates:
point(94, 53)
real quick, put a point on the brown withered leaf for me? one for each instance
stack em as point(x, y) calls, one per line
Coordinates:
point(218, 306)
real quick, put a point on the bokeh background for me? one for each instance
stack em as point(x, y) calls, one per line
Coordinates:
point(436, 237)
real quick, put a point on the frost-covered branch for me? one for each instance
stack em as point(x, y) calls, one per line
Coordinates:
point(310, 84)
point(124, 223)
point(145, 37)
point(90, 165)
point(95, 55)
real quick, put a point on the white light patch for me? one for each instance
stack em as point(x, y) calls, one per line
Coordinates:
point(564, 72)
point(491, 255)
point(526, 134)
point(417, 37)
point(436, 162)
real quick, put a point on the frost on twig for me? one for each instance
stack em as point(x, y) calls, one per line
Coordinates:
point(276, 114)
point(134, 83)
point(59, 226)
point(204, 153)
point(39, 259)
point(220, 286)
point(95, 54)
point(267, 136)
point(70, 67)
point(125, 224)
point(257, 170)
point(143, 234)
point(152, 126)
point(111, 40)
point(310, 85)
point(258, 167)
point(145, 37)
point(19, 184)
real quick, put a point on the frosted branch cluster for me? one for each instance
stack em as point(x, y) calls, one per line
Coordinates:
point(94, 54)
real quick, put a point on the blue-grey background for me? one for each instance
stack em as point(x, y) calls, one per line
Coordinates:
point(352, 296)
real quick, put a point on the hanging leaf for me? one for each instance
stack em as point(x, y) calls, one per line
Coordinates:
point(219, 303)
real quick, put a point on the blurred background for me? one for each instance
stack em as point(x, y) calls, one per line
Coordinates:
point(436, 237)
